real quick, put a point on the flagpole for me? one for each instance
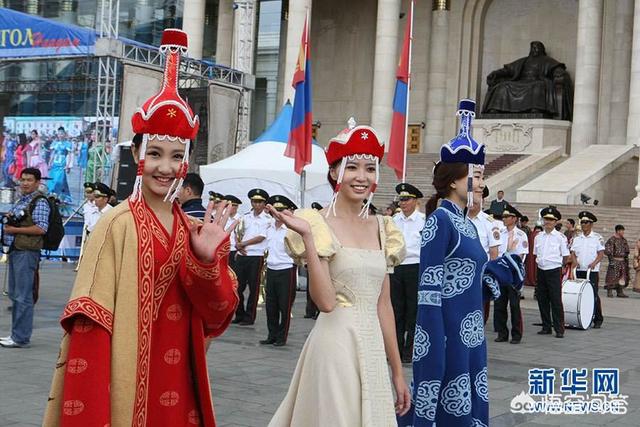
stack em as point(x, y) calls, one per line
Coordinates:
point(303, 173)
point(303, 184)
point(406, 125)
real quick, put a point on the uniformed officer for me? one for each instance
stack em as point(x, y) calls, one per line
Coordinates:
point(488, 228)
point(101, 194)
point(551, 251)
point(489, 234)
point(251, 244)
point(508, 294)
point(311, 309)
point(234, 203)
point(89, 187)
point(216, 198)
point(405, 277)
point(587, 250)
point(281, 277)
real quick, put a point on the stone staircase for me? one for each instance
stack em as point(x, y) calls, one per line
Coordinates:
point(419, 173)
point(501, 162)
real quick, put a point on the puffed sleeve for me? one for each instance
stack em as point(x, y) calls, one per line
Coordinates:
point(394, 247)
point(326, 245)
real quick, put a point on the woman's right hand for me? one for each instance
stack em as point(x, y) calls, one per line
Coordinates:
point(295, 223)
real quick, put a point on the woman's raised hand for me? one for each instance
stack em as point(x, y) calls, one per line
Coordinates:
point(207, 237)
point(295, 223)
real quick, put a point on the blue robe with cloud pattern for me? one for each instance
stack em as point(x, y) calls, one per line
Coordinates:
point(449, 385)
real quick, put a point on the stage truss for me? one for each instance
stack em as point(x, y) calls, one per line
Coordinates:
point(111, 53)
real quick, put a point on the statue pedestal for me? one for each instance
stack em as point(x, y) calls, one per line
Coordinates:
point(521, 136)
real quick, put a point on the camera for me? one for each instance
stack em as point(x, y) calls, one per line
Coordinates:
point(14, 219)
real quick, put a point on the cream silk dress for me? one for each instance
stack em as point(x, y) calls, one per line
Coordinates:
point(342, 377)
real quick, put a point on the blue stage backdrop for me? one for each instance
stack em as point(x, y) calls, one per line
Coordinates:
point(23, 35)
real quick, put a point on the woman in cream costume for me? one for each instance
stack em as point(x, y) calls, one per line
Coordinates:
point(342, 376)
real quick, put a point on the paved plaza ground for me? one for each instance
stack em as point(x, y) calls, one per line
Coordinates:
point(249, 380)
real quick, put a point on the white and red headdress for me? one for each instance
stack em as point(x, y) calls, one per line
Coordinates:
point(354, 142)
point(166, 115)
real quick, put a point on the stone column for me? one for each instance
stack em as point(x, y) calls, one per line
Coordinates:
point(193, 25)
point(633, 127)
point(225, 32)
point(621, 67)
point(584, 131)
point(437, 76)
point(295, 24)
point(385, 66)
point(67, 14)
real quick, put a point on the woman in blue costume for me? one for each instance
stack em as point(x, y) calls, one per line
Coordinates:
point(83, 158)
point(450, 357)
point(10, 145)
point(58, 166)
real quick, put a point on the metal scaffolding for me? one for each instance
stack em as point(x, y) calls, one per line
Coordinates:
point(107, 27)
point(242, 59)
point(110, 51)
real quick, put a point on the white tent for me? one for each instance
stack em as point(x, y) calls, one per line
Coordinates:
point(263, 165)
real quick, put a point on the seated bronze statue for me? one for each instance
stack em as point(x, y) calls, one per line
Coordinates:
point(535, 85)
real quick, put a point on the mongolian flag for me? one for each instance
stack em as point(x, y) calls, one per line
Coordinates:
point(300, 135)
point(398, 139)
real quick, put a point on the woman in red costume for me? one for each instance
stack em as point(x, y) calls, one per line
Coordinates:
point(151, 286)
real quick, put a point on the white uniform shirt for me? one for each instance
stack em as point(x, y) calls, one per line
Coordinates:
point(488, 230)
point(232, 237)
point(411, 226)
point(92, 214)
point(255, 226)
point(522, 242)
point(549, 249)
point(278, 259)
point(586, 249)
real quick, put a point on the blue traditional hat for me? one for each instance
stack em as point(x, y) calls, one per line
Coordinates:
point(463, 148)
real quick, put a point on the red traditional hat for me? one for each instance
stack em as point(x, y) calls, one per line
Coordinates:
point(354, 141)
point(166, 115)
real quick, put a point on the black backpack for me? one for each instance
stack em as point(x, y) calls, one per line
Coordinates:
point(55, 232)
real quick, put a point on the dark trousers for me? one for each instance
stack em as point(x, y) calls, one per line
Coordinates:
point(594, 278)
point(404, 298)
point(550, 299)
point(486, 309)
point(281, 292)
point(248, 269)
point(232, 260)
point(311, 309)
point(508, 296)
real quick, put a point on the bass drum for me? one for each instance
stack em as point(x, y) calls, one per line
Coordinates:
point(578, 300)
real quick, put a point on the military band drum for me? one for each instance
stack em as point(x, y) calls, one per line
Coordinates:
point(587, 250)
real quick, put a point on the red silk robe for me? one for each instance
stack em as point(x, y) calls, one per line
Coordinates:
point(180, 301)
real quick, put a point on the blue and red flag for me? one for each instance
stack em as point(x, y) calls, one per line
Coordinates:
point(398, 138)
point(300, 135)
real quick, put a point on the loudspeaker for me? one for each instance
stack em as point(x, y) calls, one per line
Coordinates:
point(126, 174)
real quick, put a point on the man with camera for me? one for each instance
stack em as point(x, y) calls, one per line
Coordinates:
point(23, 229)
